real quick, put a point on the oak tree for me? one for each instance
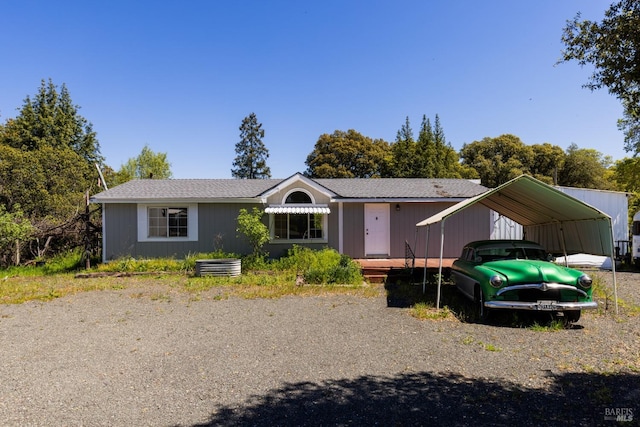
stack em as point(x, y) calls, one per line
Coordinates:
point(347, 155)
point(497, 160)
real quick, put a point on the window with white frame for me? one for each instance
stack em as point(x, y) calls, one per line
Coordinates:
point(294, 226)
point(158, 222)
point(168, 222)
point(299, 218)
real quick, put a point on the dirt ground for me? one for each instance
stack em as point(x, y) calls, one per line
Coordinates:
point(128, 357)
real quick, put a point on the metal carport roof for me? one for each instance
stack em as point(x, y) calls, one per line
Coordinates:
point(559, 222)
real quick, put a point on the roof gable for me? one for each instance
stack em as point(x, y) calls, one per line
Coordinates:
point(295, 180)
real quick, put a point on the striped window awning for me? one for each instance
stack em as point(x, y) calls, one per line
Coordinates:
point(297, 209)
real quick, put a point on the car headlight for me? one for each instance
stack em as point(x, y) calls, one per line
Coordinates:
point(496, 281)
point(585, 281)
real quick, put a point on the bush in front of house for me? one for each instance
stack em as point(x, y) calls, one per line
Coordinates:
point(325, 266)
point(316, 267)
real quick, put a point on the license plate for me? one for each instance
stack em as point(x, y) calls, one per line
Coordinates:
point(547, 305)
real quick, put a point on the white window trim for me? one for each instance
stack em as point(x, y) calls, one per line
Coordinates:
point(192, 222)
point(272, 230)
point(298, 190)
point(272, 220)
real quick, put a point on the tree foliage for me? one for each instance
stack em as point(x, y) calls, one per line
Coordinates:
point(497, 160)
point(347, 155)
point(48, 154)
point(250, 225)
point(147, 165)
point(251, 153)
point(612, 47)
point(51, 119)
point(404, 149)
point(548, 160)
point(428, 157)
point(627, 178)
point(585, 168)
point(14, 227)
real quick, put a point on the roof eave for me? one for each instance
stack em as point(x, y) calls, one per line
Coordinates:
point(156, 200)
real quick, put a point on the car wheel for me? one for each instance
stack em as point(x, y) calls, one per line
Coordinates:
point(572, 316)
point(482, 312)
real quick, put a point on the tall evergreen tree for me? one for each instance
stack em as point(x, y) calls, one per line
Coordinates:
point(447, 163)
point(48, 162)
point(251, 153)
point(403, 150)
point(55, 148)
point(429, 157)
point(51, 119)
point(426, 150)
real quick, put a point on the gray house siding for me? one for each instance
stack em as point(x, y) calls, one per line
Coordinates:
point(120, 230)
point(464, 227)
point(217, 225)
point(216, 230)
point(219, 201)
point(333, 221)
point(461, 229)
point(353, 233)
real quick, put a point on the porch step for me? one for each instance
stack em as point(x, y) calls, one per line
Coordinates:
point(376, 278)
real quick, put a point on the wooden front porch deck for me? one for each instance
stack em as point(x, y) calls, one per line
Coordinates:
point(377, 269)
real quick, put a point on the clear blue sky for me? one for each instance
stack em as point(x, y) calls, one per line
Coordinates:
point(181, 76)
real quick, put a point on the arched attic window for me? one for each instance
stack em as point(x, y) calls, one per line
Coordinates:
point(299, 218)
point(298, 197)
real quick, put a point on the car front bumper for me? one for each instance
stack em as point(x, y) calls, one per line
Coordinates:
point(542, 305)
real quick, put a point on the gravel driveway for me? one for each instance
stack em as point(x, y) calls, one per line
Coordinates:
point(119, 358)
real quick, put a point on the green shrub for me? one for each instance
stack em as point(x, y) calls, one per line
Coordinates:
point(255, 262)
point(317, 267)
point(325, 266)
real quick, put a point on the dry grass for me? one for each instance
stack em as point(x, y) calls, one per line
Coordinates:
point(157, 286)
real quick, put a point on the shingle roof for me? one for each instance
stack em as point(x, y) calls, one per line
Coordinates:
point(402, 187)
point(196, 189)
point(212, 189)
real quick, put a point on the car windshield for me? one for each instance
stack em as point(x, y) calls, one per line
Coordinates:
point(506, 252)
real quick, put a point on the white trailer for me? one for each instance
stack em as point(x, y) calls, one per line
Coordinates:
point(613, 203)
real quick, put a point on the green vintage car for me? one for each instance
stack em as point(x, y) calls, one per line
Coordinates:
point(519, 274)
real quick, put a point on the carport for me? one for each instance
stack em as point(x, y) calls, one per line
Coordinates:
point(560, 223)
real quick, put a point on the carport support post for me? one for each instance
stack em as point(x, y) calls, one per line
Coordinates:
point(613, 266)
point(426, 257)
point(564, 246)
point(440, 266)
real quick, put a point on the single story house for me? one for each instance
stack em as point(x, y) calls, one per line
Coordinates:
point(362, 218)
